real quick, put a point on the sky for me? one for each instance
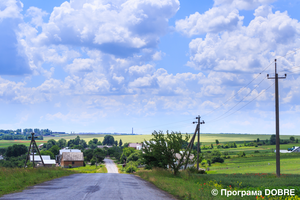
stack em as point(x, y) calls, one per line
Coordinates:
point(114, 65)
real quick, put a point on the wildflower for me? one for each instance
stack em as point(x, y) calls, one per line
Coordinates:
point(203, 183)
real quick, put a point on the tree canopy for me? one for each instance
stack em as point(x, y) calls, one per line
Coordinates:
point(163, 150)
point(108, 140)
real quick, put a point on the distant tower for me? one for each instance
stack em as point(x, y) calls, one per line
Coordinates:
point(132, 130)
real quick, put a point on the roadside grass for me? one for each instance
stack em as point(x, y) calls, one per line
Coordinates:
point(17, 179)
point(90, 169)
point(199, 186)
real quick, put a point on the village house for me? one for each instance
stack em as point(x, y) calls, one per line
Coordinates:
point(59, 157)
point(74, 159)
point(136, 146)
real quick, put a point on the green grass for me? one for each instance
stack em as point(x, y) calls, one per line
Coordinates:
point(7, 143)
point(90, 169)
point(199, 186)
point(259, 163)
point(17, 179)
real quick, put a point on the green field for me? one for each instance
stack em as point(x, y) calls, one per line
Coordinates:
point(204, 138)
point(7, 143)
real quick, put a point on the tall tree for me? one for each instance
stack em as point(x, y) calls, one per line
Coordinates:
point(108, 140)
point(120, 143)
point(163, 150)
point(61, 143)
point(273, 140)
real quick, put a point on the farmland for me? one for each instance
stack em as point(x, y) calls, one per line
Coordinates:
point(204, 138)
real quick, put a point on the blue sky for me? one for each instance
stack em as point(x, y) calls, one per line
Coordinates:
point(108, 66)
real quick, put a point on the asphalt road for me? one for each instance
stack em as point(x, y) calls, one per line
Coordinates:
point(110, 166)
point(110, 186)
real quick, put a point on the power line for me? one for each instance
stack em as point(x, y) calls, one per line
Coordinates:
point(241, 99)
point(244, 105)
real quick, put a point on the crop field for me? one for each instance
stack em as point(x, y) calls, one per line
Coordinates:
point(87, 138)
point(7, 143)
point(205, 139)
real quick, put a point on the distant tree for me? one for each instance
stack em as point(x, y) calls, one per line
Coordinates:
point(292, 138)
point(217, 142)
point(47, 152)
point(257, 140)
point(16, 150)
point(212, 146)
point(77, 140)
point(99, 155)
point(116, 143)
point(55, 150)
point(126, 144)
point(83, 144)
point(88, 155)
point(120, 142)
point(50, 143)
point(273, 140)
point(234, 145)
point(297, 140)
point(108, 140)
point(61, 143)
point(93, 141)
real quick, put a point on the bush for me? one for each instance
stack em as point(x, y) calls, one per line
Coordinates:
point(241, 154)
point(131, 167)
point(193, 170)
point(217, 159)
point(256, 151)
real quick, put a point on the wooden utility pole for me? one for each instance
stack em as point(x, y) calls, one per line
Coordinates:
point(198, 145)
point(191, 144)
point(33, 144)
point(277, 119)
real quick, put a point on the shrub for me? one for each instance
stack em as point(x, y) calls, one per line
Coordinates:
point(256, 151)
point(217, 159)
point(193, 170)
point(241, 154)
point(131, 167)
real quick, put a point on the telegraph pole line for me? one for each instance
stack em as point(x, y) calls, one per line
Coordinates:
point(198, 145)
point(277, 119)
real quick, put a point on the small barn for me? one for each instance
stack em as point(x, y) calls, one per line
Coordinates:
point(75, 159)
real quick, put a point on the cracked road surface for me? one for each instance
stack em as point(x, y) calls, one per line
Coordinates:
point(110, 186)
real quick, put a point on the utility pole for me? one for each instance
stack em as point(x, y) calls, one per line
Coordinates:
point(277, 119)
point(32, 145)
point(198, 145)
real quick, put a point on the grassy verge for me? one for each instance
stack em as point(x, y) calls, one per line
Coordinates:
point(17, 179)
point(90, 169)
point(199, 186)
